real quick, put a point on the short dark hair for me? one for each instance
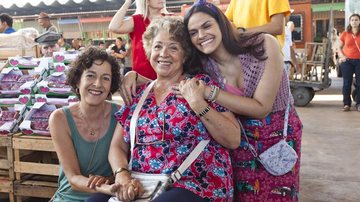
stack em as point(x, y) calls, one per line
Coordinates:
point(4, 17)
point(85, 60)
point(121, 39)
point(43, 15)
point(234, 42)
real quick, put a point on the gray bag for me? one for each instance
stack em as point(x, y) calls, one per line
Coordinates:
point(280, 158)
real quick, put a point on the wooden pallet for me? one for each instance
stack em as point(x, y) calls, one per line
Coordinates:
point(36, 166)
point(6, 166)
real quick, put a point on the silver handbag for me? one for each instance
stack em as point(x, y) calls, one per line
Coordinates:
point(153, 184)
point(279, 159)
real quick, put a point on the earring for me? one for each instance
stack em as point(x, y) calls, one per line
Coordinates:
point(77, 91)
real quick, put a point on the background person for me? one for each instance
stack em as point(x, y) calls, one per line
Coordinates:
point(82, 132)
point(349, 54)
point(135, 26)
point(289, 52)
point(119, 52)
point(6, 23)
point(260, 16)
point(102, 45)
point(171, 127)
point(44, 21)
point(254, 87)
point(62, 43)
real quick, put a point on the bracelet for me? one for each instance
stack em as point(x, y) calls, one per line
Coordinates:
point(119, 170)
point(205, 111)
point(217, 92)
point(136, 76)
point(211, 94)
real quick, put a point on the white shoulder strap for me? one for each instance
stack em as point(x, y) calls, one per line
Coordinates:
point(134, 120)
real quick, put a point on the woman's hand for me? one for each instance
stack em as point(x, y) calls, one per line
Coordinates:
point(342, 59)
point(96, 181)
point(127, 191)
point(128, 87)
point(176, 91)
point(193, 90)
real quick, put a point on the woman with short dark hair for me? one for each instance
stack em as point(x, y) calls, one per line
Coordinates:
point(82, 132)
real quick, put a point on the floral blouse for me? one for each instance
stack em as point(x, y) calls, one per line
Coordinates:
point(167, 133)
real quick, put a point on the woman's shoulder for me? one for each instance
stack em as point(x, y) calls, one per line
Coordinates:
point(270, 40)
point(58, 115)
point(137, 17)
point(206, 79)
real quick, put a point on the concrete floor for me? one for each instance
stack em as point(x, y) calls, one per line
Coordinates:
point(330, 161)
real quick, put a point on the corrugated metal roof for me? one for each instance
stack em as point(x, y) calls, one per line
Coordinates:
point(34, 7)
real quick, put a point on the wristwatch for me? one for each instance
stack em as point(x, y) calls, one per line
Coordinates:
point(119, 170)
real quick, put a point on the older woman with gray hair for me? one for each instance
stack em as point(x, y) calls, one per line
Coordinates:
point(170, 127)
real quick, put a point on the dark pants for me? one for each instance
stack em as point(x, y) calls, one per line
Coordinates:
point(98, 197)
point(178, 195)
point(348, 68)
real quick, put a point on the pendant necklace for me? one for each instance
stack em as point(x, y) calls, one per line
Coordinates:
point(92, 130)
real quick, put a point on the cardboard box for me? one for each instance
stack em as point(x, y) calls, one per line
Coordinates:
point(10, 117)
point(55, 85)
point(15, 81)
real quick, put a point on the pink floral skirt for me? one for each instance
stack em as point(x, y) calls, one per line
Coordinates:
point(251, 181)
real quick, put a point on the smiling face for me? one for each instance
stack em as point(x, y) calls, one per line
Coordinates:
point(95, 83)
point(204, 32)
point(167, 55)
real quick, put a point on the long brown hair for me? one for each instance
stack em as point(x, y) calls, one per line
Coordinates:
point(234, 42)
point(349, 28)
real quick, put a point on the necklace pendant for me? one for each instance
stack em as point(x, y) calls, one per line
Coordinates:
point(92, 132)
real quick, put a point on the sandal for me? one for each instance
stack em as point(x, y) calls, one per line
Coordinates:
point(346, 108)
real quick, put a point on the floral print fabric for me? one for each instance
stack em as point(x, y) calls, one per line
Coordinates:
point(167, 133)
point(252, 181)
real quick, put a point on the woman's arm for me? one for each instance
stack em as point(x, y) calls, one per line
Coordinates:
point(342, 57)
point(67, 156)
point(129, 83)
point(126, 188)
point(120, 25)
point(260, 105)
point(274, 27)
point(223, 127)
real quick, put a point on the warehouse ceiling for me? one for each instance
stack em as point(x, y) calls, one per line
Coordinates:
point(34, 7)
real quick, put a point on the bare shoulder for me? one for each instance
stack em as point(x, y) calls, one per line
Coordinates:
point(57, 116)
point(58, 124)
point(271, 42)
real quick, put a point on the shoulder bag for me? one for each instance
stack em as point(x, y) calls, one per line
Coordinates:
point(280, 158)
point(155, 184)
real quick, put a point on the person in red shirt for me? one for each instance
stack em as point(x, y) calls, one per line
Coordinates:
point(136, 26)
point(349, 53)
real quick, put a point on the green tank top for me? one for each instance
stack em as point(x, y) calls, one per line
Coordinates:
point(86, 151)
